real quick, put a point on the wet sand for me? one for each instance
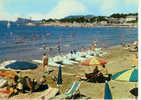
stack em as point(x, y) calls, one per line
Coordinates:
point(117, 59)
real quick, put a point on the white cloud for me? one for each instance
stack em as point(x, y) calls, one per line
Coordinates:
point(63, 8)
point(110, 6)
point(66, 8)
point(107, 4)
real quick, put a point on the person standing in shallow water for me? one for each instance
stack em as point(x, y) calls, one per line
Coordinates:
point(44, 48)
point(95, 43)
point(58, 49)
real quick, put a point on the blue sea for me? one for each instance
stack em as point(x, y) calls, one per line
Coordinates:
point(81, 37)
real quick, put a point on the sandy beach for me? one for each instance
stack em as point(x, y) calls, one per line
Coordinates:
point(117, 60)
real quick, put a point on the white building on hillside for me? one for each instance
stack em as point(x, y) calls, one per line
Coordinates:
point(131, 18)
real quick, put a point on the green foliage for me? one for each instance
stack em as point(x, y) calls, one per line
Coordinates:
point(49, 20)
point(117, 15)
point(84, 19)
point(71, 20)
point(101, 18)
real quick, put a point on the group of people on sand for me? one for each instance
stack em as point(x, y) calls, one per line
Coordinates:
point(25, 84)
point(131, 47)
point(98, 75)
point(134, 47)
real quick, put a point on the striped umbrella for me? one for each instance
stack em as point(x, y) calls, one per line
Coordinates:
point(93, 62)
point(130, 75)
point(107, 92)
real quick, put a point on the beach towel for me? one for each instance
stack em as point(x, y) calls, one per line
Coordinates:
point(3, 82)
point(49, 93)
point(9, 74)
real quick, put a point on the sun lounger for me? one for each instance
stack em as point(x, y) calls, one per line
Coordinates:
point(49, 93)
point(74, 89)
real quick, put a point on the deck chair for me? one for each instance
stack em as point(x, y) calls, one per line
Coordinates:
point(74, 89)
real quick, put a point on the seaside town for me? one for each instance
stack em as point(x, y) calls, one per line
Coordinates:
point(115, 20)
point(70, 54)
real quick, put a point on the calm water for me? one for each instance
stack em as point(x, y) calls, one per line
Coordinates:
point(30, 49)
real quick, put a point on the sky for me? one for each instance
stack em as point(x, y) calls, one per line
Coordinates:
point(45, 9)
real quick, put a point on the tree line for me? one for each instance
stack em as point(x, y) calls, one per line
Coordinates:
point(84, 19)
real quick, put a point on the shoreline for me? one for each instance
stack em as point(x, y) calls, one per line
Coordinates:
point(62, 54)
point(87, 25)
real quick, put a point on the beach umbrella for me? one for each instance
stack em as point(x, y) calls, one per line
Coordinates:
point(59, 81)
point(21, 65)
point(93, 62)
point(107, 92)
point(130, 75)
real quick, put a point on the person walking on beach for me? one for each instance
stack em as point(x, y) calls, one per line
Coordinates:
point(45, 60)
point(44, 46)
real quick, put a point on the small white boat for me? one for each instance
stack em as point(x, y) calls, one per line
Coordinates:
point(8, 24)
